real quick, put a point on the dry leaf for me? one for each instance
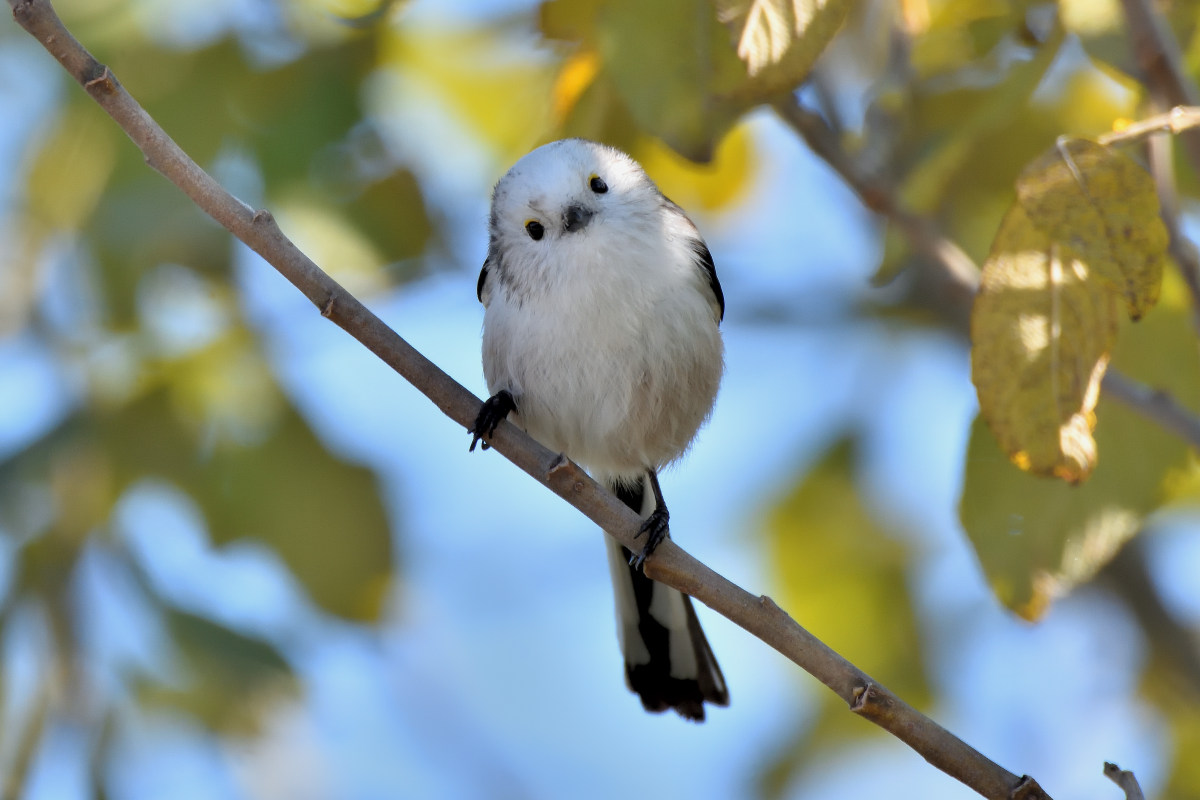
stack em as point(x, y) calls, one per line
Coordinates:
point(1102, 204)
point(1042, 329)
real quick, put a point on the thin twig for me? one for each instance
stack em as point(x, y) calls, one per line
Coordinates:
point(670, 564)
point(1175, 121)
point(1125, 779)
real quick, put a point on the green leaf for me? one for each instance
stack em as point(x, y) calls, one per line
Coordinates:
point(780, 40)
point(216, 425)
point(228, 677)
point(1037, 538)
point(686, 51)
point(282, 487)
point(964, 134)
point(865, 613)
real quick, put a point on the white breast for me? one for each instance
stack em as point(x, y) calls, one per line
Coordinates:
point(617, 367)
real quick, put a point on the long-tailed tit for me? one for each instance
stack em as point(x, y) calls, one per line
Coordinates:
point(601, 340)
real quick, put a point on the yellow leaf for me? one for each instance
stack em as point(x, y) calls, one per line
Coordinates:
point(72, 168)
point(495, 87)
point(577, 74)
point(708, 186)
point(1103, 204)
point(1042, 331)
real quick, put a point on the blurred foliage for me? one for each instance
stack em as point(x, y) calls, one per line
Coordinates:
point(307, 108)
point(865, 613)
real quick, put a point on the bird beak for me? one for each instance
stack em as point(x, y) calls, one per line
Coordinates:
point(576, 218)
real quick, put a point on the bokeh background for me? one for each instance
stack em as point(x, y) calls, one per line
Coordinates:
point(241, 558)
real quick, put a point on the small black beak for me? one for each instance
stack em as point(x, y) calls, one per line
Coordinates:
point(576, 218)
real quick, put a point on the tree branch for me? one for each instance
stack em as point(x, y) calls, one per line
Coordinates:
point(1125, 779)
point(670, 564)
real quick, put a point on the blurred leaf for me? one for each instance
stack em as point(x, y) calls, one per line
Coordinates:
point(780, 40)
point(499, 91)
point(703, 187)
point(600, 113)
point(332, 240)
point(1104, 206)
point(323, 516)
point(228, 677)
point(1041, 332)
point(1038, 538)
point(960, 130)
point(1183, 719)
point(72, 167)
point(958, 33)
point(391, 212)
point(963, 141)
point(569, 20)
point(1101, 28)
point(687, 51)
point(283, 488)
point(845, 576)
point(216, 426)
point(291, 115)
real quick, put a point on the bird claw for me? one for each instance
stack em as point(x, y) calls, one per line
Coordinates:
point(657, 528)
point(495, 408)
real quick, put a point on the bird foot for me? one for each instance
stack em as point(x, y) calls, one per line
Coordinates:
point(495, 408)
point(657, 528)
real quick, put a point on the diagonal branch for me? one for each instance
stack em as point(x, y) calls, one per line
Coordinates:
point(670, 564)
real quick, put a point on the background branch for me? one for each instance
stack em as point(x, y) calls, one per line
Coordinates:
point(671, 565)
point(1125, 779)
point(1157, 53)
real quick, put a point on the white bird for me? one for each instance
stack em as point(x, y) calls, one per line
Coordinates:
point(601, 340)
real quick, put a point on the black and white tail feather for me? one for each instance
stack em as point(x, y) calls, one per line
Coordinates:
point(668, 661)
point(601, 339)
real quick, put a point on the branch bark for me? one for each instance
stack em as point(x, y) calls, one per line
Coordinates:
point(670, 564)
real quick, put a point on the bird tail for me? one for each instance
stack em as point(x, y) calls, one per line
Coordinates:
point(668, 661)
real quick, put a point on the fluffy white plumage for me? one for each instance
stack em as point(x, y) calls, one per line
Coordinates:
point(606, 336)
point(601, 325)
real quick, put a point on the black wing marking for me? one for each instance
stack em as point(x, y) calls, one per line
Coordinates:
point(705, 260)
point(483, 274)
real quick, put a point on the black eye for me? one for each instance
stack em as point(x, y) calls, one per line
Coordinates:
point(535, 229)
point(598, 185)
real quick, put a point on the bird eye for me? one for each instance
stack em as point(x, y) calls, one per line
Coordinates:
point(598, 185)
point(535, 229)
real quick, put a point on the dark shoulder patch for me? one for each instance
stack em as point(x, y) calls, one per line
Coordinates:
point(705, 260)
point(483, 273)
